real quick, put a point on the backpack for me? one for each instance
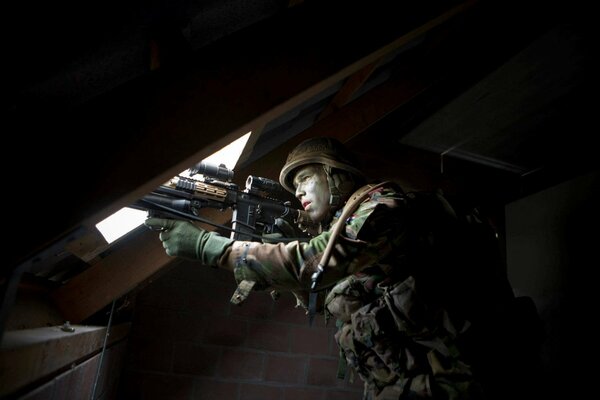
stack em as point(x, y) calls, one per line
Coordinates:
point(460, 265)
point(457, 254)
point(456, 264)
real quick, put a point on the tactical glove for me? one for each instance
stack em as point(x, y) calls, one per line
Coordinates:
point(186, 240)
point(281, 230)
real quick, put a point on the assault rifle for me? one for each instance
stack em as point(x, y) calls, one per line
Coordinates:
point(259, 211)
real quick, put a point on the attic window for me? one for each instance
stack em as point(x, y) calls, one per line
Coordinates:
point(120, 223)
point(127, 219)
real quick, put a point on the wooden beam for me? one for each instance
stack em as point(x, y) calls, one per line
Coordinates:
point(114, 276)
point(88, 246)
point(351, 120)
point(351, 86)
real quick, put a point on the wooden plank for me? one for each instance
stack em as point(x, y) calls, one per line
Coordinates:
point(32, 354)
point(351, 86)
point(88, 246)
point(349, 121)
point(112, 277)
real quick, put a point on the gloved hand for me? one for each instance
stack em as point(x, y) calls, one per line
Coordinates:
point(283, 230)
point(186, 240)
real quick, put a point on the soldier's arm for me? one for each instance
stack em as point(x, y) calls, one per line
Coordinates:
point(288, 267)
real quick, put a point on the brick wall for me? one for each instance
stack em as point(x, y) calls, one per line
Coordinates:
point(189, 342)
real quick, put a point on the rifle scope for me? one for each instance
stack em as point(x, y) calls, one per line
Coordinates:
point(219, 172)
point(257, 184)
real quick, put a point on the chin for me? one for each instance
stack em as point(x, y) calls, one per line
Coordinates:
point(316, 217)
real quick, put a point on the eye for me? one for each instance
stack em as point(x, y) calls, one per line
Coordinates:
point(301, 179)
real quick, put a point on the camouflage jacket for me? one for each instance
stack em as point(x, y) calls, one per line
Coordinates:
point(398, 342)
point(372, 234)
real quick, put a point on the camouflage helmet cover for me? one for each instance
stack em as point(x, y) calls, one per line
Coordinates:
point(319, 150)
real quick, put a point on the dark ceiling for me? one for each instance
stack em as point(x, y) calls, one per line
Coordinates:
point(106, 100)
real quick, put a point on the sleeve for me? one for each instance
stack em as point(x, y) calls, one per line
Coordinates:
point(365, 240)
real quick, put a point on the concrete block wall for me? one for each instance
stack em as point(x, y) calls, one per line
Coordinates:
point(189, 342)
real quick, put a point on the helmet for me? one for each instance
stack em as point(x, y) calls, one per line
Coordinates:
point(319, 150)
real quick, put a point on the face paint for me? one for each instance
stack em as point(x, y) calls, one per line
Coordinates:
point(312, 190)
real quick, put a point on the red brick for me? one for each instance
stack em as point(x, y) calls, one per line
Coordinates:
point(189, 326)
point(334, 350)
point(225, 331)
point(358, 383)
point(187, 295)
point(190, 358)
point(151, 354)
point(172, 387)
point(304, 394)
point(194, 272)
point(344, 395)
point(241, 365)
point(209, 299)
point(152, 319)
point(286, 369)
point(163, 294)
point(322, 372)
point(284, 310)
point(185, 269)
point(111, 394)
point(311, 340)
point(260, 392)
point(319, 322)
point(202, 299)
point(268, 336)
point(205, 389)
point(130, 384)
point(258, 305)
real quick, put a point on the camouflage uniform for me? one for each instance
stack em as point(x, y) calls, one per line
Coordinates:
point(393, 336)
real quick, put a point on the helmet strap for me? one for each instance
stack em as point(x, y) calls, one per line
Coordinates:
point(335, 198)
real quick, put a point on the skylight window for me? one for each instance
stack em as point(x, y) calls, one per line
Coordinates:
point(230, 154)
point(127, 219)
point(120, 223)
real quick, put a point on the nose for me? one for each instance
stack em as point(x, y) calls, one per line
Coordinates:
point(299, 192)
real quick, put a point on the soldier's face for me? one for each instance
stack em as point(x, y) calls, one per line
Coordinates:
point(312, 190)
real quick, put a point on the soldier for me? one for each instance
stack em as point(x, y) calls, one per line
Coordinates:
point(406, 317)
